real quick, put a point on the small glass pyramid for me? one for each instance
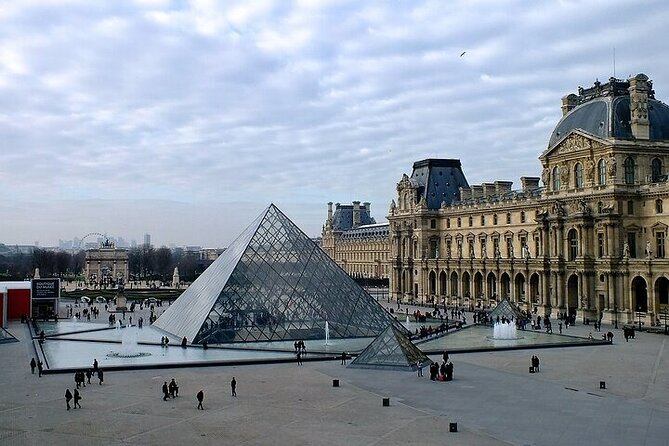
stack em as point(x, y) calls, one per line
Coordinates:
point(391, 349)
point(273, 283)
point(506, 309)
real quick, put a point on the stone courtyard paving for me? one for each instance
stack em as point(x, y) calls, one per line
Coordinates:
point(494, 400)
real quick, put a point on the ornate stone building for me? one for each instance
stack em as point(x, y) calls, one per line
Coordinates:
point(591, 242)
point(107, 265)
point(353, 239)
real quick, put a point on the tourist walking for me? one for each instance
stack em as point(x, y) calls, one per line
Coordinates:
point(89, 375)
point(33, 365)
point(343, 358)
point(166, 392)
point(299, 358)
point(174, 389)
point(77, 398)
point(95, 366)
point(200, 398)
point(68, 398)
point(100, 376)
point(233, 386)
point(40, 367)
point(419, 366)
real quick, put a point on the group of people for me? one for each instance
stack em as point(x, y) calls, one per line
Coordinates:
point(80, 379)
point(171, 390)
point(443, 372)
point(534, 362)
point(164, 341)
point(36, 365)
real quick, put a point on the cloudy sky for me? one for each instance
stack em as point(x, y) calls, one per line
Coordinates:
point(185, 119)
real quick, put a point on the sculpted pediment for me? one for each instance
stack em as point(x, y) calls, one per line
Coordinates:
point(574, 141)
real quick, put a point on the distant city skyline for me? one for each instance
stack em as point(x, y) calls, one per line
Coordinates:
point(187, 119)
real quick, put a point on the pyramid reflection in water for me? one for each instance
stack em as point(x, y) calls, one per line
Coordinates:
point(273, 283)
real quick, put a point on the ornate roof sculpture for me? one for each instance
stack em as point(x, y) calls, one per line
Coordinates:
point(391, 349)
point(273, 283)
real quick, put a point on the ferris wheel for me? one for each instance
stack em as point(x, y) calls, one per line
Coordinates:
point(82, 243)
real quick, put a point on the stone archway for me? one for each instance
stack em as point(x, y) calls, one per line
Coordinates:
point(492, 286)
point(639, 295)
point(442, 283)
point(662, 291)
point(572, 295)
point(519, 287)
point(534, 289)
point(432, 283)
point(505, 286)
point(466, 291)
point(478, 285)
point(454, 284)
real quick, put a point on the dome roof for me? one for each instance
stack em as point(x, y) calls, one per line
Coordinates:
point(604, 111)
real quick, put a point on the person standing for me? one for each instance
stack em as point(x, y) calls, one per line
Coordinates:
point(343, 358)
point(299, 358)
point(166, 392)
point(419, 366)
point(95, 366)
point(100, 376)
point(200, 398)
point(233, 386)
point(33, 364)
point(89, 375)
point(77, 398)
point(68, 398)
point(40, 367)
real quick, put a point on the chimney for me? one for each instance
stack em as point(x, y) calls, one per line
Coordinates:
point(368, 206)
point(488, 189)
point(356, 214)
point(569, 102)
point(329, 211)
point(529, 183)
point(465, 193)
point(639, 89)
point(502, 187)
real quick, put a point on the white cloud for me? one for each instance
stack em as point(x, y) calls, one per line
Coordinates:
point(303, 103)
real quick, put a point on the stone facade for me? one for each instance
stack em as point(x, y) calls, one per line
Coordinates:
point(591, 242)
point(106, 265)
point(359, 249)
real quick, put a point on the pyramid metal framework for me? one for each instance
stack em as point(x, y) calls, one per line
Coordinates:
point(508, 310)
point(391, 349)
point(273, 283)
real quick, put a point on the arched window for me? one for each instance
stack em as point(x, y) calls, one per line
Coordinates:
point(658, 206)
point(572, 236)
point(578, 176)
point(656, 170)
point(601, 171)
point(629, 170)
point(556, 179)
point(494, 219)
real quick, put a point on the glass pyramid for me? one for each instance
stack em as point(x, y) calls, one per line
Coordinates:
point(391, 349)
point(508, 310)
point(273, 283)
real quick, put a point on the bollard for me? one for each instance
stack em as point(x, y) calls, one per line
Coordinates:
point(386, 402)
point(452, 427)
point(335, 383)
point(602, 385)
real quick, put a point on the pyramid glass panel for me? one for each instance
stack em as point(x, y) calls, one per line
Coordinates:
point(391, 349)
point(273, 283)
point(508, 310)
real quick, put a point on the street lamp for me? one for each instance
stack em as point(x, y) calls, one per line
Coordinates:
point(638, 313)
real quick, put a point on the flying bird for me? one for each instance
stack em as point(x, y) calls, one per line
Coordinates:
point(463, 53)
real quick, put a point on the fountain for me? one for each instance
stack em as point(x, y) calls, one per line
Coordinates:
point(505, 330)
point(327, 333)
point(74, 319)
point(129, 346)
